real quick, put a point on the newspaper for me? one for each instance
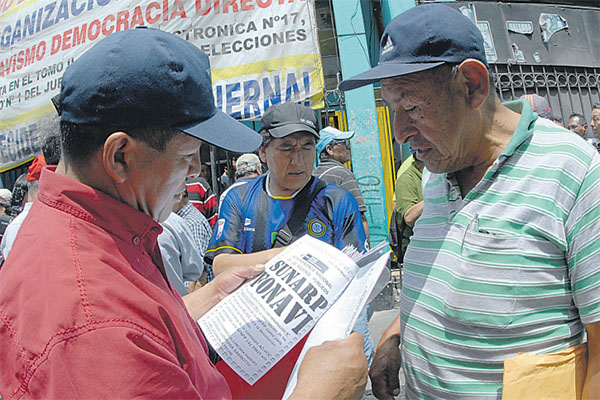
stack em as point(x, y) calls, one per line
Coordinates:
point(255, 326)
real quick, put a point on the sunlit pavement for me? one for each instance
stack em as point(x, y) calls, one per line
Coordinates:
point(377, 325)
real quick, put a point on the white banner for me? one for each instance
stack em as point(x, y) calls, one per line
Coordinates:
point(262, 52)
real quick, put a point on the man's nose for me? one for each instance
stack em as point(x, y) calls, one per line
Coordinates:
point(296, 156)
point(402, 128)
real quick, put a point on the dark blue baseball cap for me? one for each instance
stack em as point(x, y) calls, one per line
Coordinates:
point(145, 77)
point(422, 38)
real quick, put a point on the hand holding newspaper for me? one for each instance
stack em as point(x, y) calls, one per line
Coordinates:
point(254, 327)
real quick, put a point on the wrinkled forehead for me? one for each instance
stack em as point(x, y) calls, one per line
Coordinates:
point(399, 87)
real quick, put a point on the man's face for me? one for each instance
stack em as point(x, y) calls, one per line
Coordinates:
point(160, 176)
point(595, 122)
point(339, 150)
point(290, 161)
point(205, 172)
point(432, 120)
point(576, 126)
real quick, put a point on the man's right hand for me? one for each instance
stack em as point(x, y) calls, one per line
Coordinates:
point(333, 370)
point(386, 364)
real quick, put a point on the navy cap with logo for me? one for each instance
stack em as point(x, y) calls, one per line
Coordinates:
point(281, 120)
point(149, 78)
point(422, 38)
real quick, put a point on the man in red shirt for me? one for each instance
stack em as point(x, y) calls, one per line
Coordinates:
point(86, 310)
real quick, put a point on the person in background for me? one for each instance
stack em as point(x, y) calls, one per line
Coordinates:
point(595, 120)
point(281, 206)
point(557, 120)
point(409, 202)
point(32, 178)
point(19, 194)
point(5, 197)
point(333, 151)
point(205, 172)
point(181, 256)
point(224, 179)
point(248, 167)
point(577, 124)
point(84, 293)
point(504, 258)
point(201, 233)
point(539, 105)
point(203, 198)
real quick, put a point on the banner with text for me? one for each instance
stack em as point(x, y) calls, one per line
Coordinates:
point(262, 52)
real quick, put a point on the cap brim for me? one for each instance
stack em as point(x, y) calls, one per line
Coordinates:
point(285, 130)
point(225, 132)
point(383, 71)
point(347, 135)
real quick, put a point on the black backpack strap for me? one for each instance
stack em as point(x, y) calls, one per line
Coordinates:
point(301, 206)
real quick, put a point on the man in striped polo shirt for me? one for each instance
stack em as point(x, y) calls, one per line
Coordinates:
point(505, 257)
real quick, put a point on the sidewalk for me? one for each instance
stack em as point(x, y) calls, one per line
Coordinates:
point(377, 325)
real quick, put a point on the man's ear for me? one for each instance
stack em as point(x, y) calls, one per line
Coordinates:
point(329, 150)
point(475, 77)
point(116, 154)
point(262, 153)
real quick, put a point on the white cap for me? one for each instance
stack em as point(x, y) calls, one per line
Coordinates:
point(5, 195)
point(246, 163)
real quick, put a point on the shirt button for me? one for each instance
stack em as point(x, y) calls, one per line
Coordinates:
point(136, 240)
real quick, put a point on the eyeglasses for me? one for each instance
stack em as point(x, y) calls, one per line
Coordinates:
point(343, 142)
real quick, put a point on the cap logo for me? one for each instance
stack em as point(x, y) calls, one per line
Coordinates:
point(307, 122)
point(389, 45)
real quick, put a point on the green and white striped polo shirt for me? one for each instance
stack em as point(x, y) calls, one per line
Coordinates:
point(513, 267)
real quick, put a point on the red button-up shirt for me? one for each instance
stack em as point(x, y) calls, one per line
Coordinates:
point(85, 308)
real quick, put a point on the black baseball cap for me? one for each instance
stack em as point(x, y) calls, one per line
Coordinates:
point(422, 38)
point(146, 77)
point(281, 120)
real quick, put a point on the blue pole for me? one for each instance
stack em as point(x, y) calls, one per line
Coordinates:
point(362, 114)
point(389, 10)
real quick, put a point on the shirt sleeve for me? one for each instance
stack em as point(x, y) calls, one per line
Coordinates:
point(206, 233)
point(181, 258)
point(348, 224)
point(135, 367)
point(583, 256)
point(227, 235)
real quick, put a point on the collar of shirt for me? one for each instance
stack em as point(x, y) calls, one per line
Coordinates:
point(82, 201)
point(186, 210)
point(330, 162)
point(524, 128)
point(523, 131)
point(279, 197)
